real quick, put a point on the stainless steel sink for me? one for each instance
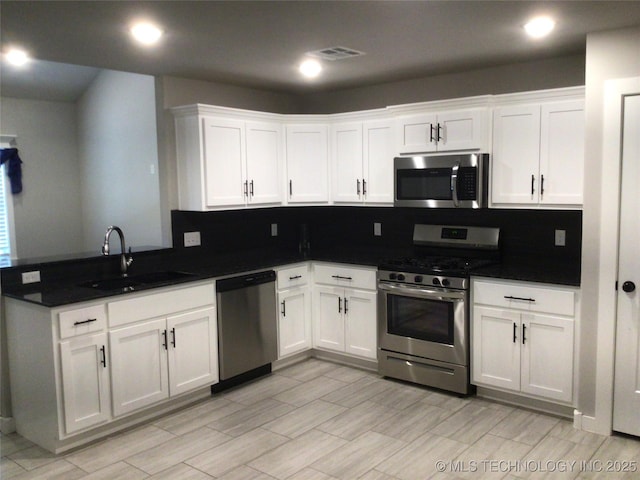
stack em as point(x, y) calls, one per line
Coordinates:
point(131, 282)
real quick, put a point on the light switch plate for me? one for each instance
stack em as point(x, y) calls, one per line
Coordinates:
point(561, 238)
point(274, 229)
point(377, 229)
point(31, 277)
point(191, 239)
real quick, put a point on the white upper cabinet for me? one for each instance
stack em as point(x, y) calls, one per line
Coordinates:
point(538, 154)
point(307, 163)
point(227, 162)
point(362, 166)
point(443, 132)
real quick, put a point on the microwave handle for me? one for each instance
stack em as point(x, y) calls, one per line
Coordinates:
point(454, 184)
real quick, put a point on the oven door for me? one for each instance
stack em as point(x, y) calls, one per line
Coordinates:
point(428, 323)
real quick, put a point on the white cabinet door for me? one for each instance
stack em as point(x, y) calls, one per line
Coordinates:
point(294, 321)
point(417, 133)
point(461, 130)
point(346, 142)
point(192, 350)
point(562, 153)
point(138, 366)
point(547, 356)
point(360, 323)
point(264, 164)
point(224, 161)
point(496, 348)
point(307, 163)
point(516, 154)
point(378, 153)
point(85, 381)
point(329, 322)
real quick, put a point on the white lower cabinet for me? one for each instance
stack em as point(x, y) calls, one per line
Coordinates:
point(345, 317)
point(85, 381)
point(77, 370)
point(294, 318)
point(523, 339)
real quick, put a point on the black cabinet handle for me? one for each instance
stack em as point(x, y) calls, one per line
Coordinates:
point(515, 330)
point(251, 188)
point(88, 320)
point(524, 332)
point(364, 187)
point(431, 136)
point(628, 286)
point(533, 179)
point(290, 187)
point(339, 277)
point(104, 357)
point(358, 186)
point(339, 304)
point(439, 133)
point(173, 337)
point(346, 305)
point(164, 341)
point(284, 309)
point(246, 188)
point(541, 185)
point(295, 277)
point(522, 299)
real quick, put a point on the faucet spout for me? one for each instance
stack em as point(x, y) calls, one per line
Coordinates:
point(124, 261)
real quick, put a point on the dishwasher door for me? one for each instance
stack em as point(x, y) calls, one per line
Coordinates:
point(247, 322)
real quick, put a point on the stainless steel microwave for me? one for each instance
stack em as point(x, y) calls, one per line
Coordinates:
point(442, 181)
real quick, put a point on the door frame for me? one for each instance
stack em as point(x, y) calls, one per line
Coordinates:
point(614, 90)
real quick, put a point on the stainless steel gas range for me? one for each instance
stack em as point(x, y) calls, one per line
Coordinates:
point(423, 305)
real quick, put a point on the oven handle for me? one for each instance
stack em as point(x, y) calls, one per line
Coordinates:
point(420, 292)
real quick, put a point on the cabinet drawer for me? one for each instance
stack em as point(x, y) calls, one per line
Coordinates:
point(345, 276)
point(160, 304)
point(524, 297)
point(293, 276)
point(81, 321)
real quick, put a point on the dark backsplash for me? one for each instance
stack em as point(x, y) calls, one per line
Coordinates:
point(526, 234)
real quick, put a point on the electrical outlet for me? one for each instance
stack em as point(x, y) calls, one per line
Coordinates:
point(274, 229)
point(31, 277)
point(561, 238)
point(191, 239)
point(377, 229)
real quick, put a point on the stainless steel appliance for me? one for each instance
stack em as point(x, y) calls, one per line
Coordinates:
point(247, 322)
point(442, 181)
point(423, 305)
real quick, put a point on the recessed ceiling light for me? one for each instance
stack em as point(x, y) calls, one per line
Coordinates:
point(310, 68)
point(539, 27)
point(146, 33)
point(17, 57)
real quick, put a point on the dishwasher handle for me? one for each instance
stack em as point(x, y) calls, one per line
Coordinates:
point(244, 281)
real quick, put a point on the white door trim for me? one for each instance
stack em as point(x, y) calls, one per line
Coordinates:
point(608, 252)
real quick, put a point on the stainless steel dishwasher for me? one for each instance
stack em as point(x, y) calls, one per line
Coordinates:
point(247, 322)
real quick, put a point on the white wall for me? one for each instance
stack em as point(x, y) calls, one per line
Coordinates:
point(47, 213)
point(118, 152)
point(610, 55)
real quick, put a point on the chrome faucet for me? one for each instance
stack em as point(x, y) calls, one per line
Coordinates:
point(124, 261)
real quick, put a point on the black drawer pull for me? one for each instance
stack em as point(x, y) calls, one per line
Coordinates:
point(515, 329)
point(339, 277)
point(284, 308)
point(509, 297)
point(104, 357)
point(295, 277)
point(88, 320)
point(173, 336)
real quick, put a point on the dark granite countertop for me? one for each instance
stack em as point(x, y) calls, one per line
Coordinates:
point(60, 291)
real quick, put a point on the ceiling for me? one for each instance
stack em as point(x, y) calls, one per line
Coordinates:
point(260, 43)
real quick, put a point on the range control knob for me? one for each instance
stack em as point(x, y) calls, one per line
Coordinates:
point(445, 282)
point(436, 281)
point(392, 276)
point(401, 277)
point(418, 279)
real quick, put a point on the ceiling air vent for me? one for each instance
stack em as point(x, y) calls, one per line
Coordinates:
point(335, 53)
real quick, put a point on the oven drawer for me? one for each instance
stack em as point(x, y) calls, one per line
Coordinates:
point(523, 296)
point(345, 276)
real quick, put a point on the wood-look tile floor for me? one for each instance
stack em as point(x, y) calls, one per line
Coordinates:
point(319, 420)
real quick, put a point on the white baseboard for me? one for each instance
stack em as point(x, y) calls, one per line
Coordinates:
point(589, 424)
point(7, 425)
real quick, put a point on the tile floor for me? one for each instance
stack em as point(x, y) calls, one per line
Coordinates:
point(319, 420)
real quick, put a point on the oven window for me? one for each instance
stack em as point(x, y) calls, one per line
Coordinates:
point(422, 319)
point(424, 184)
